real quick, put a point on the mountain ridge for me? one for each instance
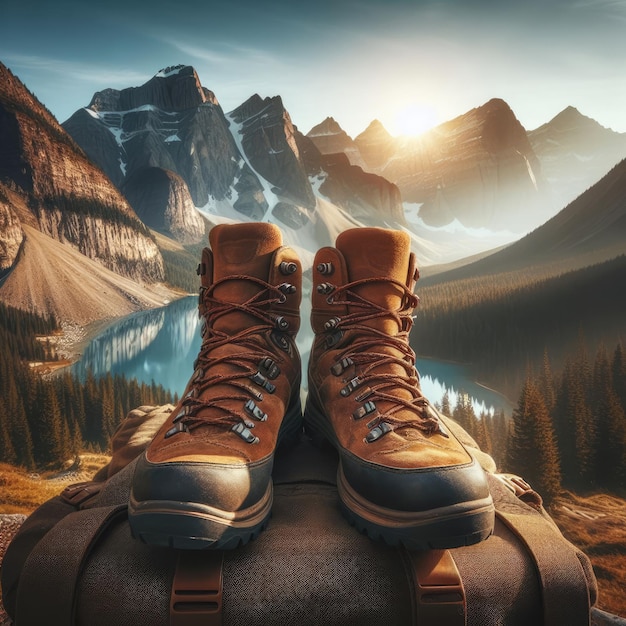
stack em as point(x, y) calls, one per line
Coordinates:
point(66, 194)
point(252, 161)
point(589, 230)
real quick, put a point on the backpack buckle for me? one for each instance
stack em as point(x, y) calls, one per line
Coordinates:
point(80, 493)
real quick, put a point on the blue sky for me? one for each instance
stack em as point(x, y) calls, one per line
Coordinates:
point(409, 63)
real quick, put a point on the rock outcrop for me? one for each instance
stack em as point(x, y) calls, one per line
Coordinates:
point(269, 143)
point(11, 234)
point(163, 202)
point(330, 138)
point(173, 123)
point(70, 198)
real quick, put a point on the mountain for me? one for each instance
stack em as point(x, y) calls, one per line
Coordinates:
point(267, 138)
point(251, 163)
point(559, 286)
point(330, 138)
point(591, 229)
point(483, 154)
point(376, 146)
point(68, 197)
point(575, 152)
point(478, 168)
point(48, 184)
point(172, 123)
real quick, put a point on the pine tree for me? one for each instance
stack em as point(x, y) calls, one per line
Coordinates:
point(610, 462)
point(618, 367)
point(482, 434)
point(109, 421)
point(93, 410)
point(532, 451)
point(47, 430)
point(7, 451)
point(500, 433)
point(446, 409)
point(463, 412)
point(18, 427)
point(575, 429)
point(546, 382)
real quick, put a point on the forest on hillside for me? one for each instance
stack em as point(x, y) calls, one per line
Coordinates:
point(501, 324)
point(568, 430)
point(45, 421)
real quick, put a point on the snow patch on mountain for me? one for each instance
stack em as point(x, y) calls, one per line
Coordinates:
point(270, 197)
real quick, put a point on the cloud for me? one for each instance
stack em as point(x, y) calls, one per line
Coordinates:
point(231, 54)
point(74, 70)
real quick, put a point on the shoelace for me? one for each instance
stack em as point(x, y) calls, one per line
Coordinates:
point(252, 363)
point(372, 382)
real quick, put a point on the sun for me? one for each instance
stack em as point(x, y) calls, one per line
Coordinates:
point(414, 119)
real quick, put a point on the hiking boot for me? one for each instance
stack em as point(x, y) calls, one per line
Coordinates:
point(205, 480)
point(403, 477)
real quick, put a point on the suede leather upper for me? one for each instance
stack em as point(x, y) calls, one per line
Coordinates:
point(362, 378)
point(217, 446)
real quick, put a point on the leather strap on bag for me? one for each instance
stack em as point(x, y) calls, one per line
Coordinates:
point(438, 593)
point(61, 553)
point(196, 598)
point(563, 583)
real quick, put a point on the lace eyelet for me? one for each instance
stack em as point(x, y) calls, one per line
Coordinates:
point(287, 288)
point(243, 431)
point(377, 432)
point(332, 323)
point(288, 267)
point(325, 288)
point(281, 323)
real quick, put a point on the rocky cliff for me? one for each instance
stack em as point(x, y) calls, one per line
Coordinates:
point(330, 138)
point(68, 196)
point(163, 202)
point(268, 141)
point(248, 163)
point(172, 123)
point(11, 233)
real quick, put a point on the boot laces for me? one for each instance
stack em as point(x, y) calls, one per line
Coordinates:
point(373, 381)
point(252, 361)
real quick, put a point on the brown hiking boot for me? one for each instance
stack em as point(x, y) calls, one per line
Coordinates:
point(403, 477)
point(205, 480)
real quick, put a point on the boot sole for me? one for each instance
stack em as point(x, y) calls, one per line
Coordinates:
point(439, 529)
point(461, 524)
point(197, 526)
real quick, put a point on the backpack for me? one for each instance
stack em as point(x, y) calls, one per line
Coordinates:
point(74, 561)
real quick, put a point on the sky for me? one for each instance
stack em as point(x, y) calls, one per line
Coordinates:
point(411, 64)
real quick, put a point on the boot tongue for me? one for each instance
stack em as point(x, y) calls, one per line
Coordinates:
point(377, 253)
point(241, 249)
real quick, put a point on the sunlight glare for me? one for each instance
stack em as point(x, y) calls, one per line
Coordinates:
point(414, 119)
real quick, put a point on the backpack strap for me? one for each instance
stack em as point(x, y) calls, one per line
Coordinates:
point(437, 589)
point(563, 583)
point(61, 553)
point(196, 598)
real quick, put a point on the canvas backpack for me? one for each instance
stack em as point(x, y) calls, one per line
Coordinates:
point(74, 561)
